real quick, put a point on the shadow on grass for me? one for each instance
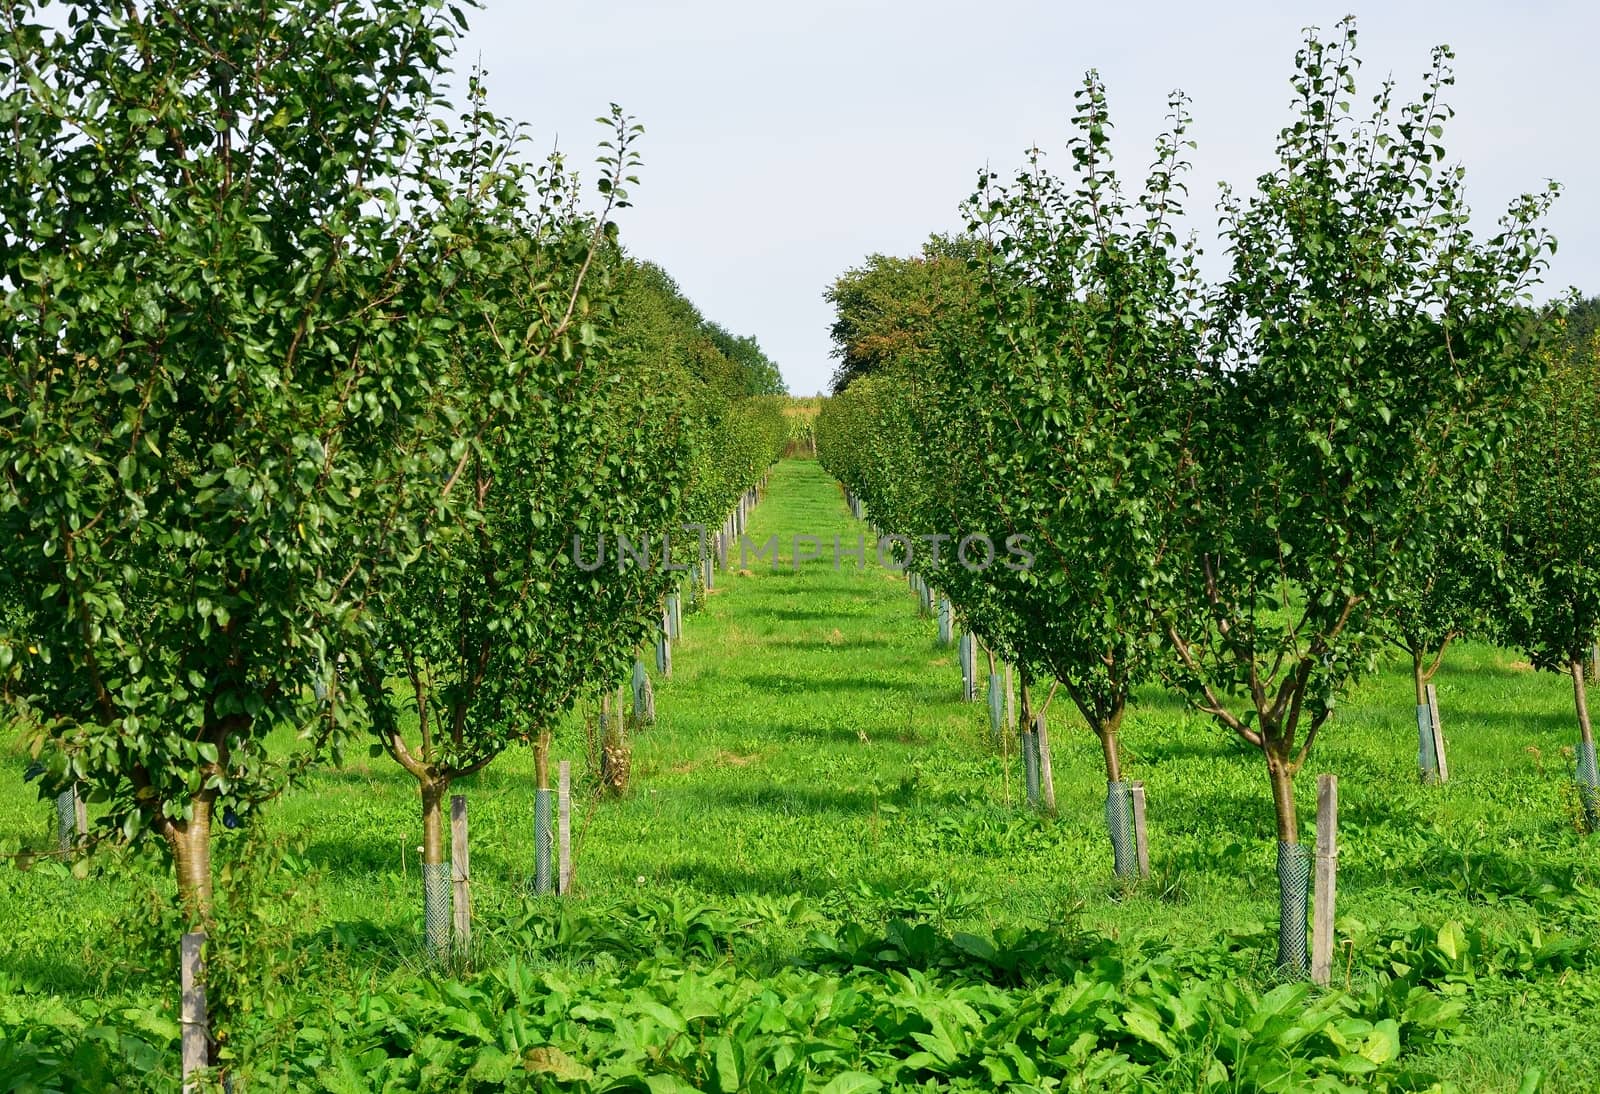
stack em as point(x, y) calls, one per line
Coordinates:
point(819, 800)
point(799, 684)
point(824, 645)
point(803, 615)
point(39, 974)
point(1516, 723)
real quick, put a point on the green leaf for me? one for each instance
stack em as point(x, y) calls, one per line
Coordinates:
point(1383, 1044)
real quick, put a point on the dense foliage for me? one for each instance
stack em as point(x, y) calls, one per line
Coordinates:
point(229, 291)
point(1250, 473)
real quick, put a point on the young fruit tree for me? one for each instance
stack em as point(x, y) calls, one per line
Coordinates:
point(1550, 498)
point(1449, 594)
point(494, 630)
point(1088, 301)
point(1354, 387)
point(227, 280)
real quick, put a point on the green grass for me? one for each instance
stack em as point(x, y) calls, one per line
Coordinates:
point(813, 765)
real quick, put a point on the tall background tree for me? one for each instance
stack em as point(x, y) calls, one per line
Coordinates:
point(888, 310)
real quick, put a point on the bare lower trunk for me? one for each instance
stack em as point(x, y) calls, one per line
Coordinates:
point(1107, 729)
point(1108, 745)
point(1283, 798)
point(435, 872)
point(433, 792)
point(1419, 677)
point(541, 762)
point(1580, 695)
point(191, 854)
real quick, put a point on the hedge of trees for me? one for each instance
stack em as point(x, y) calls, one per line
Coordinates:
point(309, 383)
point(1361, 433)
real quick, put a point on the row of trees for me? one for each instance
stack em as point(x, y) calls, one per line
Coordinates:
point(310, 379)
point(1243, 487)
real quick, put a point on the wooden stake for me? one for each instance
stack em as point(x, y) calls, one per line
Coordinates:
point(196, 1024)
point(461, 873)
point(1011, 700)
point(564, 828)
point(1327, 870)
point(1438, 735)
point(1141, 841)
point(1047, 778)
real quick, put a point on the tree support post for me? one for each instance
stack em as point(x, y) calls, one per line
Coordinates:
point(1327, 873)
point(1442, 762)
point(564, 827)
point(1141, 840)
point(1588, 766)
point(196, 1023)
point(461, 874)
point(996, 703)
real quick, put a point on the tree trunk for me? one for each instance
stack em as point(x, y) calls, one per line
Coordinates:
point(1419, 677)
point(541, 762)
point(1025, 739)
point(435, 872)
point(1283, 798)
point(433, 792)
point(1580, 695)
point(191, 854)
point(1293, 868)
point(1107, 729)
point(1119, 801)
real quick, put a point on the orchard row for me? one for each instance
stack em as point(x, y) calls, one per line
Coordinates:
point(308, 384)
point(1362, 435)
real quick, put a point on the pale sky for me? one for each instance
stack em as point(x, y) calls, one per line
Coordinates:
point(785, 143)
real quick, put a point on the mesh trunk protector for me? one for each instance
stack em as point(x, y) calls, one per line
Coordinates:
point(1294, 892)
point(436, 908)
point(66, 817)
point(1119, 822)
point(543, 841)
point(644, 706)
point(1589, 784)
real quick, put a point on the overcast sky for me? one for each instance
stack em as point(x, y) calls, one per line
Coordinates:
point(785, 143)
